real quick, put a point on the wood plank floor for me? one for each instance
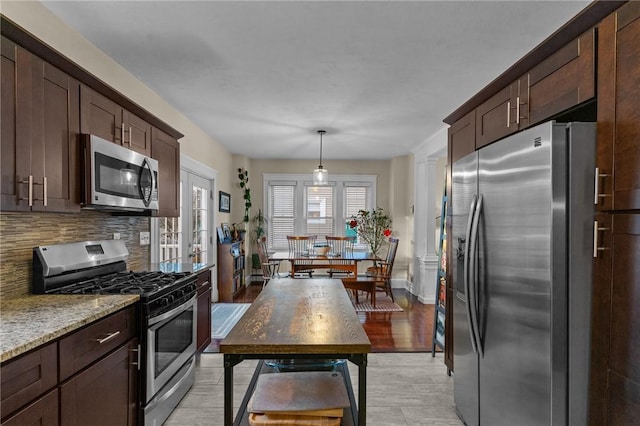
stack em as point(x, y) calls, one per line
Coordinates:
point(407, 331)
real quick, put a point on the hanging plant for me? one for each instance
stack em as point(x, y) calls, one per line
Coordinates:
point(243, 176)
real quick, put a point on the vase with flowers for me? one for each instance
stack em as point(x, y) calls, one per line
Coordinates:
point(373, 227)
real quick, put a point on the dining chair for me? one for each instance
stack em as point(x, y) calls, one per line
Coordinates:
point(382, 269)
point(270, 269)
point(301, 246)
point(378, 277)
point(339, 247)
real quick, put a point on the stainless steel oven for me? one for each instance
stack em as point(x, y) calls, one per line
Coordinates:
point(170, 360)
point(167, 313)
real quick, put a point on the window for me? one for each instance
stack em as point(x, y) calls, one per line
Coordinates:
point(294, 206)
point(282, 213)
point(319, 211)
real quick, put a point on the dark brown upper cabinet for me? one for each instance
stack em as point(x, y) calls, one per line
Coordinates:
point(618, 160)
point(562, 81)
point(502, 114)
point(166, 150)
point(40, 124)
point(102, 117)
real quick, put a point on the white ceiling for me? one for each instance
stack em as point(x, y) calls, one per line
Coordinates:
point(261, 77)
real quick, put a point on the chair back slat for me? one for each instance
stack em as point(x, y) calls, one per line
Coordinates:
point(301, 246)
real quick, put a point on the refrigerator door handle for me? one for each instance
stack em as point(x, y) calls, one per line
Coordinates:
point(472, 295)
point(467, 288)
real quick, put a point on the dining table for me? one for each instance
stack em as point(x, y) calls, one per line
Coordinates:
point(298, 322)
point(346, 261)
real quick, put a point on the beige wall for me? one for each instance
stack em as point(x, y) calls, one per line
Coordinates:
point(394, 191)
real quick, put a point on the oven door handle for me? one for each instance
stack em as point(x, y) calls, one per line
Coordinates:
point(172, 312)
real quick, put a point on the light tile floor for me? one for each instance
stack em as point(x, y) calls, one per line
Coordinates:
point(402, 389)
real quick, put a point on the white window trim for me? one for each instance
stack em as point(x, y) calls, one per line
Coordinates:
point(301, 181)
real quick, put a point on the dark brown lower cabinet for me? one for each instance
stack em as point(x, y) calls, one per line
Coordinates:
point(615, 368)
point(104, 393)
point(97, 384)
point(203, 338)
point(43, 411)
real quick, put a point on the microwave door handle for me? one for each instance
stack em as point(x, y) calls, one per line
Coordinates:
point(467, 290)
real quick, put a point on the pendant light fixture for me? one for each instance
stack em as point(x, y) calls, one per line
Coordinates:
point(320, 175)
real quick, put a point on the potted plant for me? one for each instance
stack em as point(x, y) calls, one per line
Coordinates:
point(373, 227)
point(243, 176)
point(258, 230)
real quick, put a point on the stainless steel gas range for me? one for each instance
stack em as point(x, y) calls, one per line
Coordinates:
point(166, 313)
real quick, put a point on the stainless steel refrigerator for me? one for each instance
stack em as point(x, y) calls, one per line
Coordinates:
point(522, 225)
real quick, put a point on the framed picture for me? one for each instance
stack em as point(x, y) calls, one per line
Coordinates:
point(220, 234)
point(224, 202)
point(226, 232)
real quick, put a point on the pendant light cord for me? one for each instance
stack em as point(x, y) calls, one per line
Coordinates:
point(321, 133)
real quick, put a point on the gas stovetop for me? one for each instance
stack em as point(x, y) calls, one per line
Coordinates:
point(98, 267)
point(145, 284)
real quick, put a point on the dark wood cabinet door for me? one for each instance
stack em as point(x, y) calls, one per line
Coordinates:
point(105, 393)
point(137, 133)
point(204, 311)
point(43, 412)
point(619, 110)
point(100, 116)
point(563, 80)
point(27, 377)
point(88, 344)
point(624, 357)
point(166, 150)
point(615, 365)
point(462, 137)
point(15, 73)
point(495, 118)
point(54, 139)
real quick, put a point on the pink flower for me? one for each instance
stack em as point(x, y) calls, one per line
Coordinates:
point(387, 232)
point(353, 224)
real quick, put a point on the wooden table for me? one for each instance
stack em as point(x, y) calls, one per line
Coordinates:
point(345, 261)
point(289, 320)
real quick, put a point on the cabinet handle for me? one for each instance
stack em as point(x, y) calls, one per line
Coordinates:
point(108, 337)
point(137, 351)
point(130, 137)
point(508, 114)
point(44, 191)
point(596, 230)
point(518, 103)
point(122, 134)
point(30, 183)
point(596, 189)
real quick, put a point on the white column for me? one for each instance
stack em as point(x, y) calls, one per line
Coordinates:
point(425, 213)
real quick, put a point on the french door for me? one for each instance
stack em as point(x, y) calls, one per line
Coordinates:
point(187, 239)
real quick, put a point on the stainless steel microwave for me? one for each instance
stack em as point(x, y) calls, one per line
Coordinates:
point(117, 178)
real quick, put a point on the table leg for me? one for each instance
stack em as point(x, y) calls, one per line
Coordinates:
point(361, 361)
point(229, 362)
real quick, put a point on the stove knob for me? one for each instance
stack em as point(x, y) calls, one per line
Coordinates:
point(170, 298)
point(164, 301)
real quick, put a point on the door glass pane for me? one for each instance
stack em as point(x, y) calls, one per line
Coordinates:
point(171, 237)
point(200, 222)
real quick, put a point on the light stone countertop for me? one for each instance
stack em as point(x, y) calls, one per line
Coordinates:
point(30, 321)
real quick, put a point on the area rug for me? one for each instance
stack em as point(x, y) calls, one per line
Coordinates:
point(224, 316)
point(382, 305)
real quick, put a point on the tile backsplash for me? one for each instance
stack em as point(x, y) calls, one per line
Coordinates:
point(20, 232)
